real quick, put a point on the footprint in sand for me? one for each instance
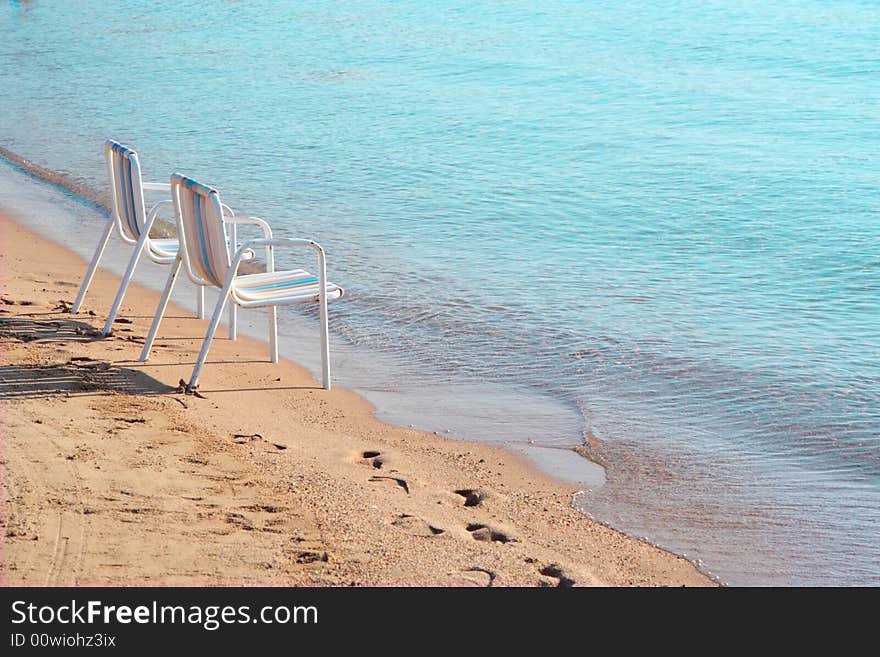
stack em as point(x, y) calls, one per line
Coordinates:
point(477, 576)
point(400, 482)
point(472, 496)
point(554, 572)
point(487, 534)
point(311, 556)
point(373, 458)
point(416, 526)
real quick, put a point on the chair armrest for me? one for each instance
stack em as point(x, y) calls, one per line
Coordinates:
point(267, 234)
point(282, 241)
point(156, 187)
point(151, 215)
point(285, 242)
point(256, 221)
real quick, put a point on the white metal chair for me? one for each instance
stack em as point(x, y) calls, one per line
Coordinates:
point(204, 250)
point(133, 223)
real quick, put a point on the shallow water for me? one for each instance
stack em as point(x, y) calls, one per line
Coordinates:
point(656, 223)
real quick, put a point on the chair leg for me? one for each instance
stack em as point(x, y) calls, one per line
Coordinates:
point(160, 311)
point(209, 337)
point(233, 321)
point(200, 302)
point(273, 334)
point(93, 265)
point(325, 340)
point(126, 279)
point(233, 309)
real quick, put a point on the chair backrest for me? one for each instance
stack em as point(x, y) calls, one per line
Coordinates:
point(201, 230)
point(124, 172)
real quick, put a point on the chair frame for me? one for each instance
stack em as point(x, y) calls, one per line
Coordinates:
point(228, 290)
point(114, 151)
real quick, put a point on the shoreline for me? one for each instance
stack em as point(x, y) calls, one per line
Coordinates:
point(56, 179)
point(454, 520)
point(569, 461)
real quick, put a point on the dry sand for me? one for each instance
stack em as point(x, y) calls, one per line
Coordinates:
point(112, 477)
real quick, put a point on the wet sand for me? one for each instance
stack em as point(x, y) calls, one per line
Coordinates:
point(113, 477)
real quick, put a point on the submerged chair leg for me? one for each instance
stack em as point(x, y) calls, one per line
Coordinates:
point(126, 279)
point(273, 334)
point(209, 337)
point(160, 311)
point(322, 316)
point(325, 339)
point(93, 265)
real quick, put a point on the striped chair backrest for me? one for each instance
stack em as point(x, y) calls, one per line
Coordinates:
point(125, 183)
point(201, 229)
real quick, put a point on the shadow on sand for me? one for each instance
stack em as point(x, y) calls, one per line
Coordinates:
point(79, 376)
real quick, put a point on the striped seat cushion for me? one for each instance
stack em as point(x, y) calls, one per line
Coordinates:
point(165, 245)
point(296, 285)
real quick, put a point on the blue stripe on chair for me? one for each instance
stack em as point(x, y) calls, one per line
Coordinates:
point(126, 204)
point(121, 203)
point(122, 190)
point(302, 281)
point(132, 220)
point(200, 222)
point(197, 211)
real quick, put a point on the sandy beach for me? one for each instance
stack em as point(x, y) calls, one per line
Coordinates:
point(111, 476)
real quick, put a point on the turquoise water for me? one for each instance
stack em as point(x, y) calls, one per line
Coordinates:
point(662, 216)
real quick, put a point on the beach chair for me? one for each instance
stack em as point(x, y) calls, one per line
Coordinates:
point(205, 253)
point(133, 224)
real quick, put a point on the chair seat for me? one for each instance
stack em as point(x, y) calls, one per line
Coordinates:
point(165, 246)
point(292, 286)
